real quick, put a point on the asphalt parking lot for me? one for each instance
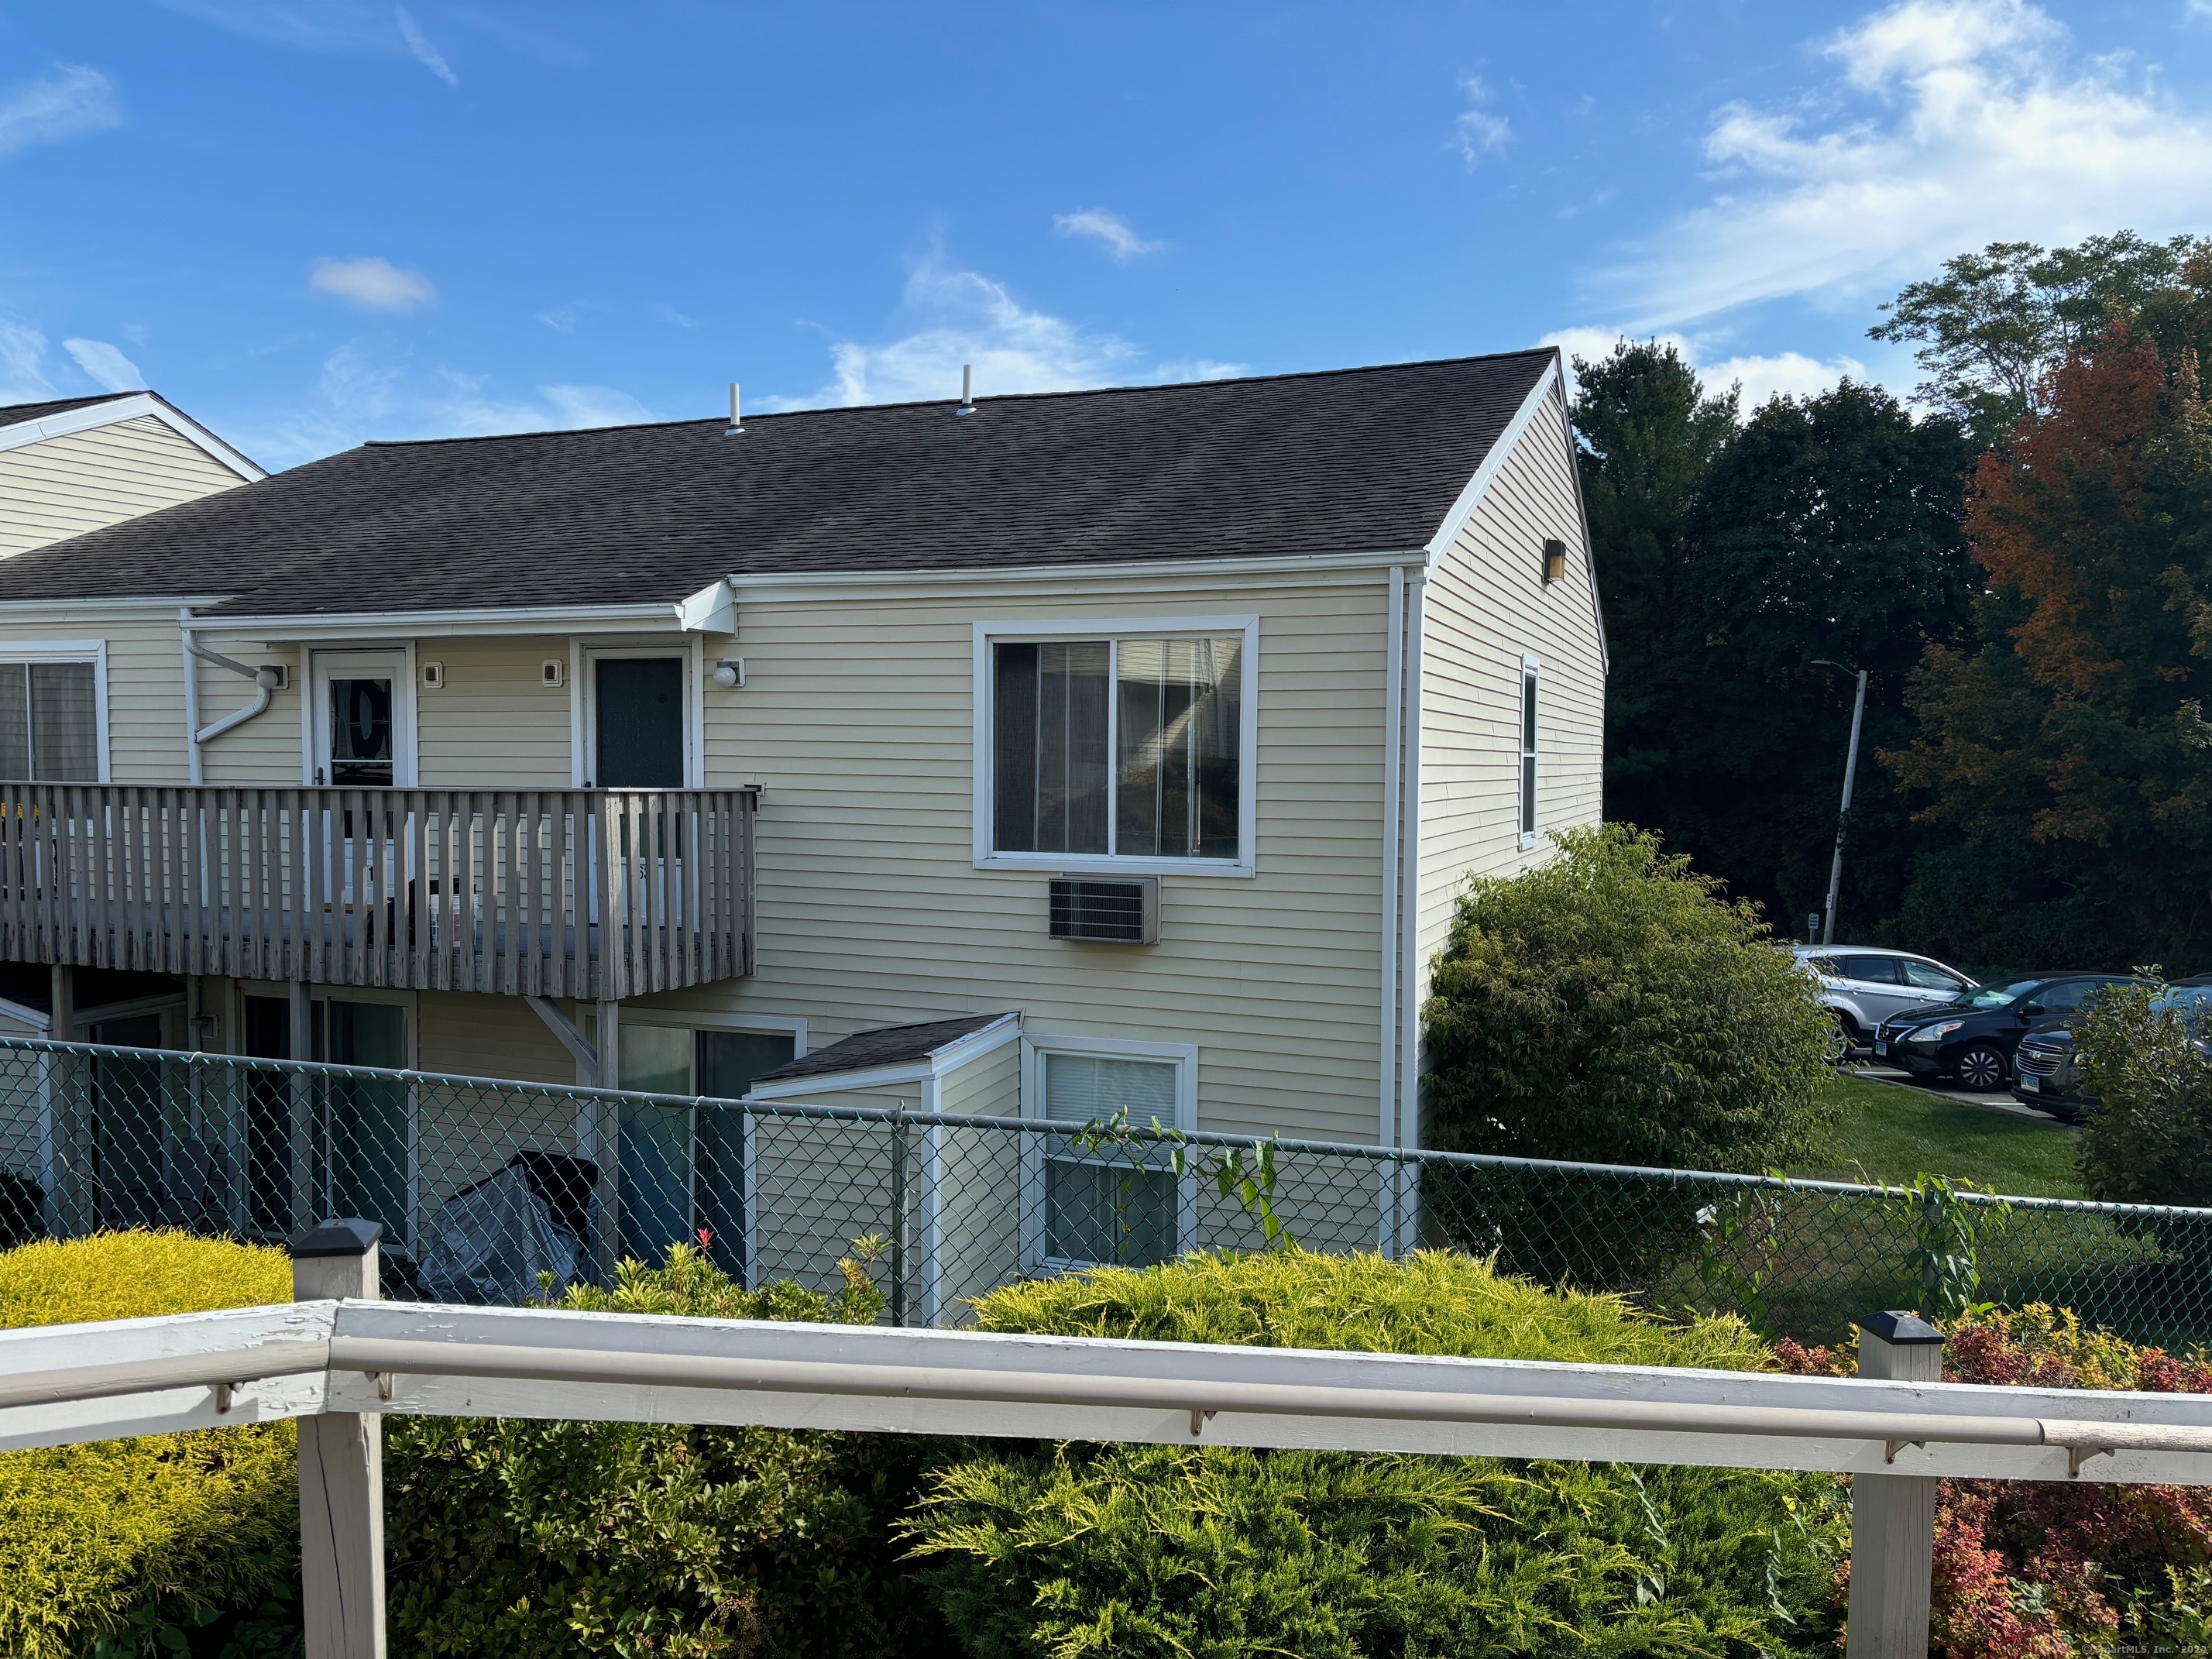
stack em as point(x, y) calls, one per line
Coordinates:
point(2000, 1101)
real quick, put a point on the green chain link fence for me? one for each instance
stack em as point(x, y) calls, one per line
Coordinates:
point(482, 1185)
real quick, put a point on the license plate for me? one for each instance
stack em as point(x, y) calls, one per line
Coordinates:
point(2030, 1084)
point(1879, 1049)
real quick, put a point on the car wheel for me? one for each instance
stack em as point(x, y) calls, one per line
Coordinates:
point(1843, 1038)
point(1983, 1068)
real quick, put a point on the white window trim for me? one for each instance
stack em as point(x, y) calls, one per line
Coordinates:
point(1184, 1055)
point(584, 657)
point(702, 1019)
point(92, 651)
point(405, 749)
point(1016, 629)
point(1531, 831)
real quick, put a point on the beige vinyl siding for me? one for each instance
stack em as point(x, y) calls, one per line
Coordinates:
point(494, 724)
point(265, 750)
point(857, 718)
point(1485, 607)
point(64, 486)
point(475, 1036)
point(145, 682)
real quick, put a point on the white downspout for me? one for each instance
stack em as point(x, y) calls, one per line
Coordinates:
point(265, 681)
point(1392, 750)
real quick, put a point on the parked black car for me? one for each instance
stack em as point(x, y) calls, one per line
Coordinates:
point(2044, 1074)
point(1972, 1040)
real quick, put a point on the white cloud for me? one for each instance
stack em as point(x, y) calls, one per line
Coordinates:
point(1110, 230)
point(372, 283)
point(1760, 377)
point(672, 316)
point(963, 317)
point(113, 370)
point(1199, 368)
point(425, 53)
point(316, 25)
point(1478, 132)
point(67, 101)
point(1944, 124)
point(561, 319)
point(22, 360)
point(371, 389)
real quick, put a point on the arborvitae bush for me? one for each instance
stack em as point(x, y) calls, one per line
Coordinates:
point(1210, 1552)
point(1611, 1006)
point(137, 1546)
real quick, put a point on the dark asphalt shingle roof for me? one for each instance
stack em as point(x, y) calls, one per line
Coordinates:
point(893, 1045)
point(1351, 460)
point(16, 414)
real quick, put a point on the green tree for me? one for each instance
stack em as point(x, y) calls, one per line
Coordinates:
point(1730, 557)
point(2067, 744)
point(1648, 434)
point(1611, 1006)
point(1993, 326)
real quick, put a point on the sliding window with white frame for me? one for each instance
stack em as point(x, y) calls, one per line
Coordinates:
point(1121, 746)
point(53, 711)
point(1101, 1197)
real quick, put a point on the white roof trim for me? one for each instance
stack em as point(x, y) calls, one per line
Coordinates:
point(769, 585)
point(938, 1062)
point(1479, 486)
point(110, 411)
point(712, 610)
point(451, 624)
point(36, 1020)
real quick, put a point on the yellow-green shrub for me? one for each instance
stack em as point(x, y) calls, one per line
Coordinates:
point(106, 1540)
point(1154, 1551)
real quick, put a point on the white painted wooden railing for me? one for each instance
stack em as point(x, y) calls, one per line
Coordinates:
point(341, 1363)
point(592, 894)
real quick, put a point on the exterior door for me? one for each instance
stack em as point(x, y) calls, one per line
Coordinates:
point(683, 1168)
point(637, 720)
point(363, 718)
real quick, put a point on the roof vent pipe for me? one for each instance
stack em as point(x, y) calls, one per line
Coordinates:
point(967, 389)
point(737, 423)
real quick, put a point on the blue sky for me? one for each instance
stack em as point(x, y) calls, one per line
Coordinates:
point(314, 221)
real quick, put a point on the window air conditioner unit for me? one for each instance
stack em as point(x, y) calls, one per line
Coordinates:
point(1096, 911)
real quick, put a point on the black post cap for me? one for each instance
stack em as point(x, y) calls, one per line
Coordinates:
point(1900, 1328)
point(349, 1237)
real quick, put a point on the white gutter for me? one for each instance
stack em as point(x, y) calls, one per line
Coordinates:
point(1393, 750)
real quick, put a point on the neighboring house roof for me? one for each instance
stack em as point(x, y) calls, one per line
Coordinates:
point(11, 414)
point(30, 424)
point(1351, 460)
point(893, 1045)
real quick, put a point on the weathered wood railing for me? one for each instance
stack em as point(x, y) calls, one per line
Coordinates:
point(602, 893)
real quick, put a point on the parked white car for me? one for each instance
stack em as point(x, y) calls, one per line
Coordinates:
point(1866, 984)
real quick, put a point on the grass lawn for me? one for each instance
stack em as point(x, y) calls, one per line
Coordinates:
point(1891, 1133)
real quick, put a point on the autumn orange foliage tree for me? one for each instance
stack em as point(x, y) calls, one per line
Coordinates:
point(2068, 744)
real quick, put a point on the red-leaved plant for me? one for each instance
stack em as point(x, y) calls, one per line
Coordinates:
point(2038, 1570)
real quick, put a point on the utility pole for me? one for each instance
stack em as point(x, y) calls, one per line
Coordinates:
point(1843, 817)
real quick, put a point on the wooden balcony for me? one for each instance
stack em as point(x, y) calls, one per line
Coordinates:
point(584, 893)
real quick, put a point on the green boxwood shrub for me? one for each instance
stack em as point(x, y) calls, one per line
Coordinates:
point(511, 1539)
point(162, 1542)
point(1205, 1552)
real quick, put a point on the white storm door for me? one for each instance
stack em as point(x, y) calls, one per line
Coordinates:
point(360, 707)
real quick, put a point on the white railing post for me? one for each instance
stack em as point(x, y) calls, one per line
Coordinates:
point(1894, 1515)
point(341, 1469)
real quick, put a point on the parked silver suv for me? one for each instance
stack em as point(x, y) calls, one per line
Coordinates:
point(1867, 984)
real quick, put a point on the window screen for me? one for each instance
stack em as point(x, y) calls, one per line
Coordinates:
point(49, 722)
point(1125, 748)
point(1117, 1203)
point(1527, 750)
